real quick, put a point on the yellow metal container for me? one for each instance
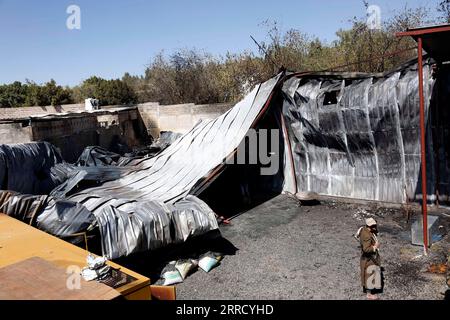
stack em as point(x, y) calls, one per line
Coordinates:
point(19, 241)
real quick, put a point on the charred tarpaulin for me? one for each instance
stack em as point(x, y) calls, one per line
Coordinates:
point(126, 226)
point(26, 167)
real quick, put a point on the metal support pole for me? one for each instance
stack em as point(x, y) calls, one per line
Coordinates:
point(423, 149)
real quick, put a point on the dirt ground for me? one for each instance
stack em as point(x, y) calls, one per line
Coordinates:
point(290, 251)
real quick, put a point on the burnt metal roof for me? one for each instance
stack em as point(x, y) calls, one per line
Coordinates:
point(435, 40)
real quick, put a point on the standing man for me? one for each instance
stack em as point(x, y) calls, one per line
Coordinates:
point(371, 277)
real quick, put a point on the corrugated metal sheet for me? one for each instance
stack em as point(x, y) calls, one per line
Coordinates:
point(357, 138)
point(150, 202)
point(172, 174)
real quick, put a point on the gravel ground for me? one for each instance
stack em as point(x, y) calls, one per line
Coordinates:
point(288, 251)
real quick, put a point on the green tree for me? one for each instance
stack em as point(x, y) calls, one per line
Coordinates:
point(13, 95)
point(191, 75)
point(108, 92)
point(48, 94)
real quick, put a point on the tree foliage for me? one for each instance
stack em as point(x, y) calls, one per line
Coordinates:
point(444, 10)
point(31, 94)
point(13, 95)
point(108, 92)
point(194, 76)
point(191, 75)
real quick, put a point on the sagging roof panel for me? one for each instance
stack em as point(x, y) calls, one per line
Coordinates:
point(172, 174)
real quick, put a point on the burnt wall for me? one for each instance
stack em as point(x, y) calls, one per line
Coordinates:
point(14, 133)
point(117, 131)
point(359, 137)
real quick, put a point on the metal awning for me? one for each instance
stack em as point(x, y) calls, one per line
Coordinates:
point(434, 40)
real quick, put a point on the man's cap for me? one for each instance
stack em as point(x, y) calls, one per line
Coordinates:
point(370, 222)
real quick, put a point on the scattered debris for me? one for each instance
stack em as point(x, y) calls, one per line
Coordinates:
point(97, 156)
point(223, 220)
point(177, 271)
point(95, 262)
point(447, 280)
point(165, 139)
point(96, 269)
point(362, 214)
point(171, 275)
point(307, 196)
point(209, 261)
point(439, 268)
point(185, 267)
point(436, 230)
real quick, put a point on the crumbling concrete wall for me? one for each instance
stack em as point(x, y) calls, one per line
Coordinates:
point(108, 130)
point(178, 118)
point(15, 113)
point(14, 133)
point(72, 133)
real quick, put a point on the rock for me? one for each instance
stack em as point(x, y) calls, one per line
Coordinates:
point(307, 196)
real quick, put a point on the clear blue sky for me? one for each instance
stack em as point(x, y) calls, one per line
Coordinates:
point(123, 35)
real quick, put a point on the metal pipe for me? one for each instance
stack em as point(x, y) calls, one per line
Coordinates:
point(422, 31)
point(423, 148)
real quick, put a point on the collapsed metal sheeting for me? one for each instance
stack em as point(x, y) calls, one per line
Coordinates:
point(172, 174)
point(353, 136)
point(125, 226)
point(135, 211)
point(74, 175)
point(64, 218)
point(357, 137)
point(20, 206)
point(59, 217)
point(26, 167)
point(147, 203)
point(147, 225)
point(94, 156)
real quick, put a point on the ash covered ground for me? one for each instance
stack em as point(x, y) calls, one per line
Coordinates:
point(290, 251)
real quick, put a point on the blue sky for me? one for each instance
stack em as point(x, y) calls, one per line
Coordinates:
point(123, 35)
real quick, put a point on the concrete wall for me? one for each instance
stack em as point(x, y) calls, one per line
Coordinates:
point(14, 133)
point(178, 118)
point(15, 113)
point(72, 133)
point(71, 129)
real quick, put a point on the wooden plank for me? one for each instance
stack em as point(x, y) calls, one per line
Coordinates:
point(163, 292)
point(38, 279)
